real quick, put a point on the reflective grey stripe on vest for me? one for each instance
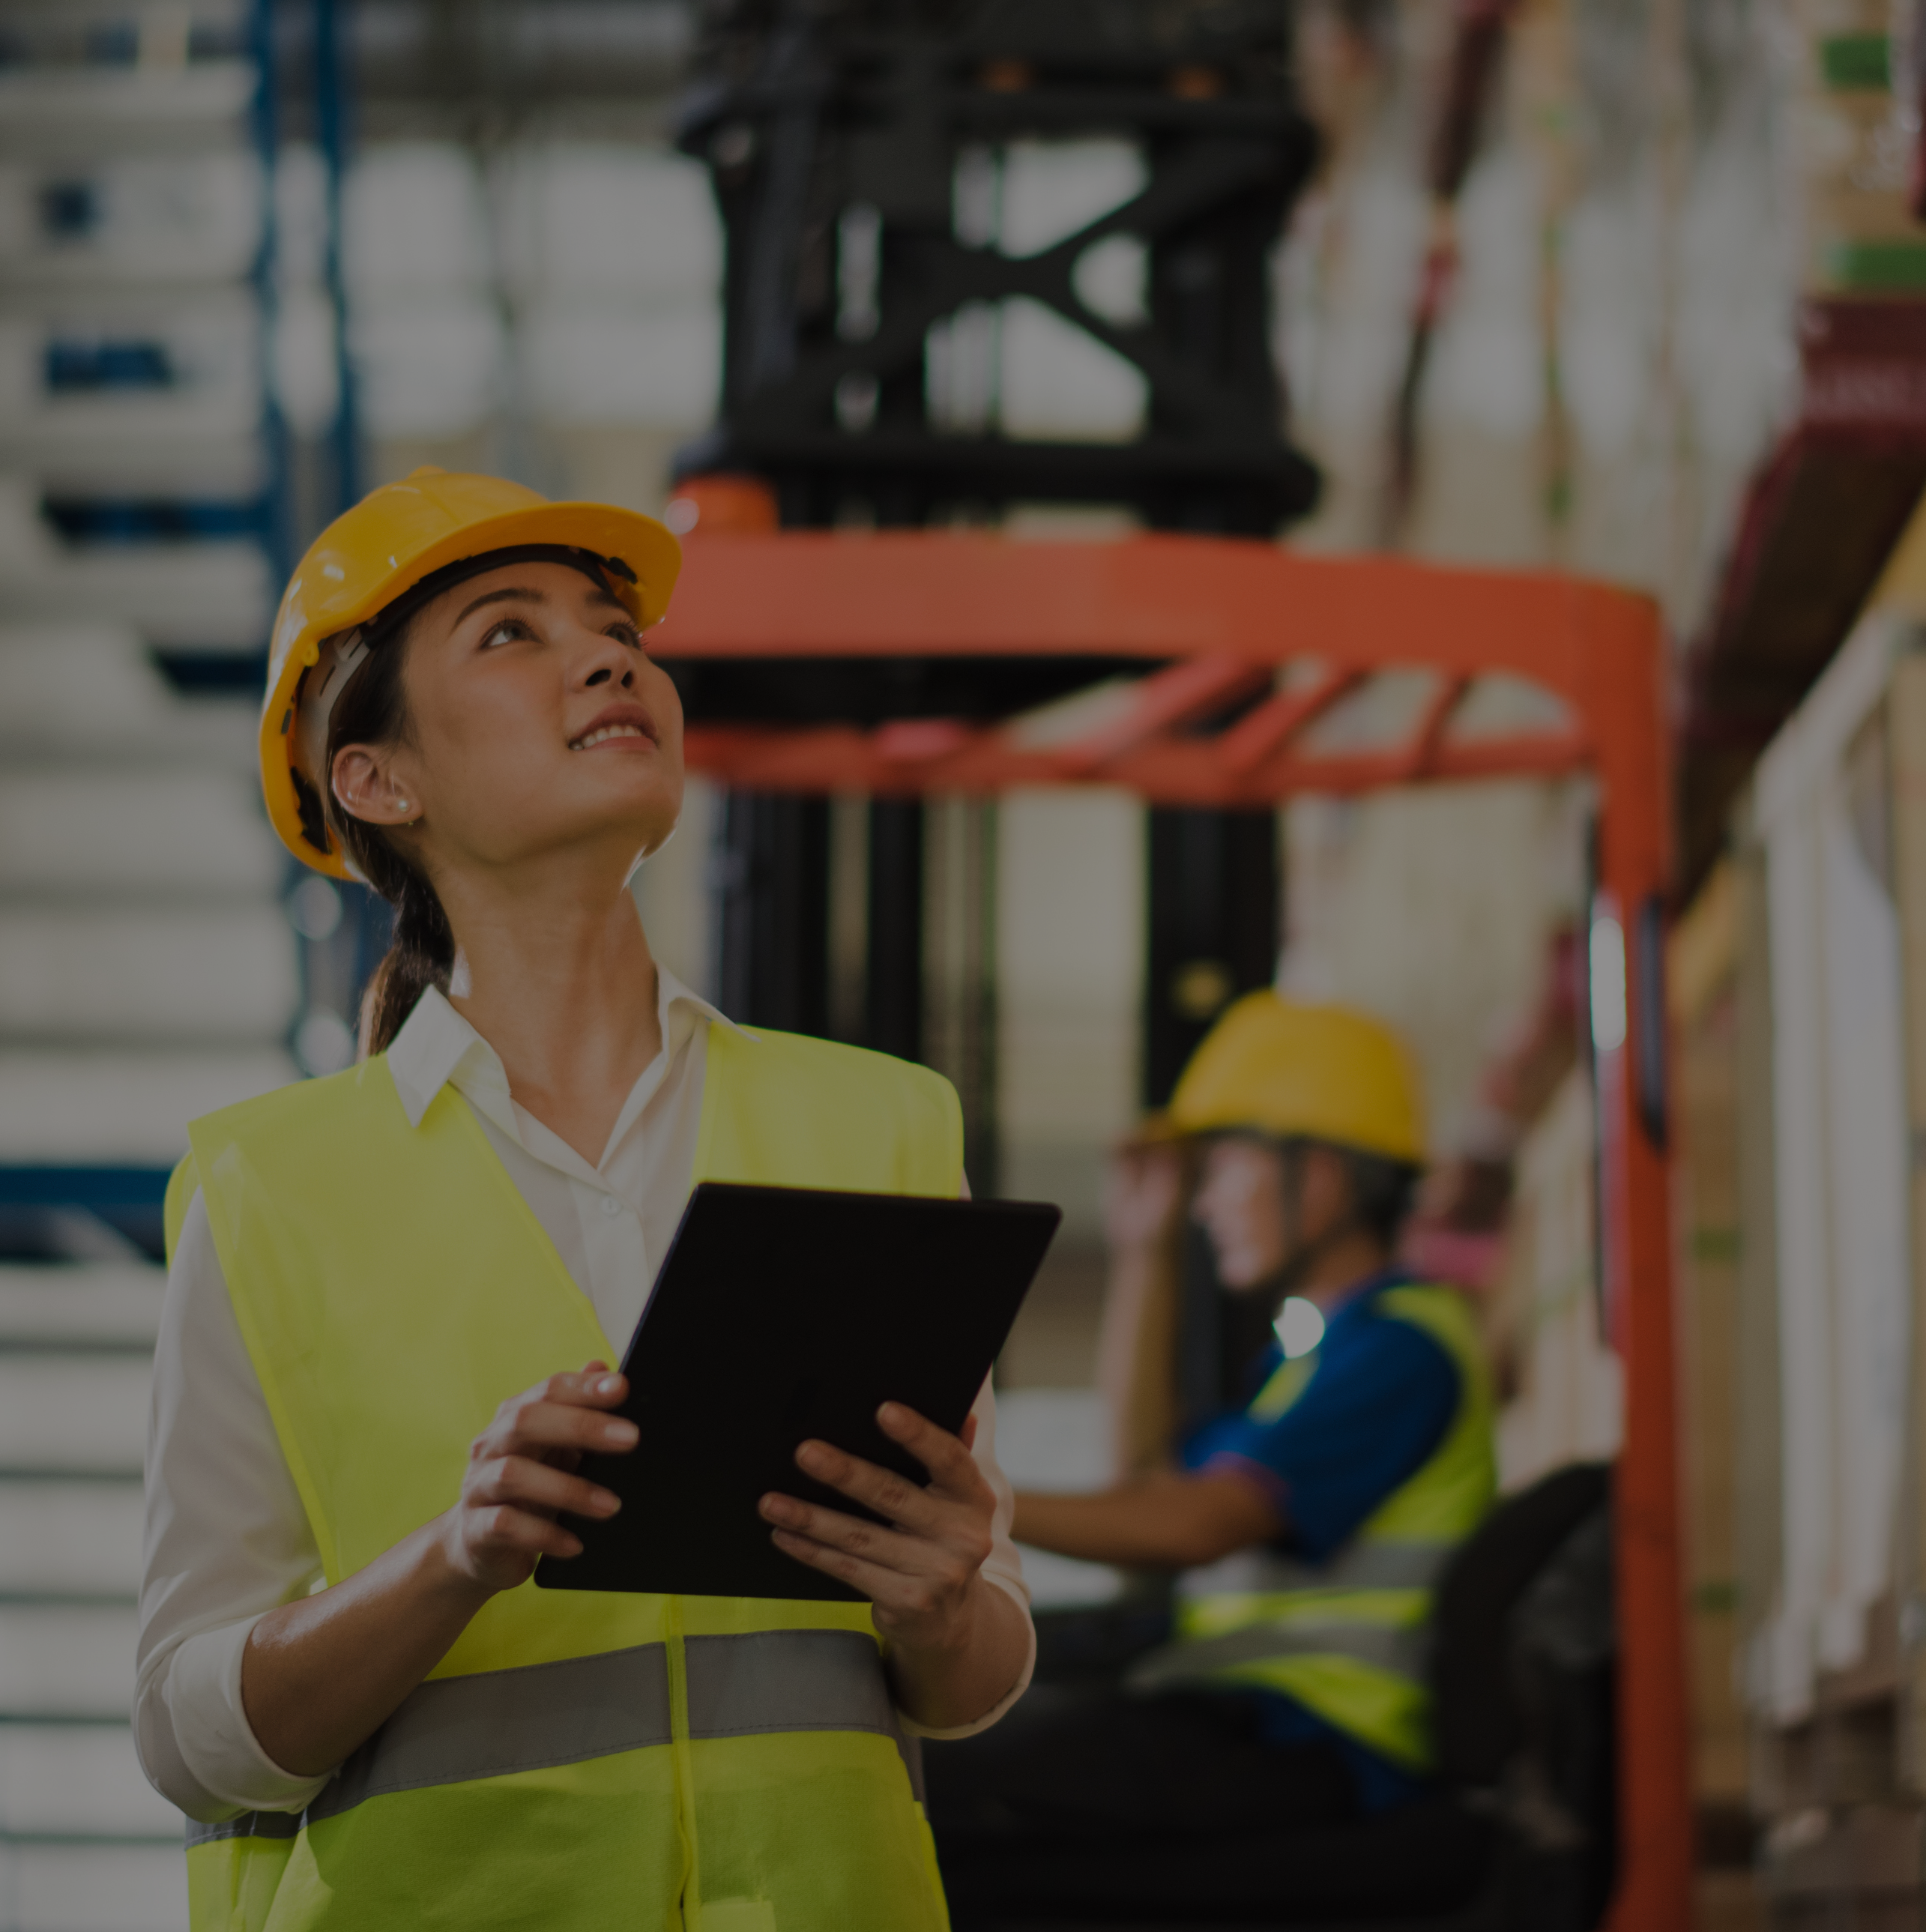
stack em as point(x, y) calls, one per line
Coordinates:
point(1401, 1650)
point(786, 1680)
point(1360, 1566)
point(453, 1729)
point(249, 1825)
point(449, 1730)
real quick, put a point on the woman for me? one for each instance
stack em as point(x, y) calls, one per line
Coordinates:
point(395, 1295)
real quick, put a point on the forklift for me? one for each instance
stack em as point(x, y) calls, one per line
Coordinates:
point(851, 620)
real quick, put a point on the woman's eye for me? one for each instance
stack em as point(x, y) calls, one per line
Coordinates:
point(501, 632)
point(629, 634)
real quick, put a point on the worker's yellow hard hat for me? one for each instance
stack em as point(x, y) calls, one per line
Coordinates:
point(1323, 1073)
point(386, 546)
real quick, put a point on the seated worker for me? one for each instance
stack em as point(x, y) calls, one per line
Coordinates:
point(1310, 1529)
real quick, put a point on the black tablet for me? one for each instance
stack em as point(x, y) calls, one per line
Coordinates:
point(781, 1313)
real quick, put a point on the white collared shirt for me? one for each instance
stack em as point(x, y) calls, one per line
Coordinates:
point(228, 1538)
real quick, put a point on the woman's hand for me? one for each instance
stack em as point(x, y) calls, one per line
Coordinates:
point(520, 1476)
point(956, 1642)
point(921, 1571)
point(318, 1674)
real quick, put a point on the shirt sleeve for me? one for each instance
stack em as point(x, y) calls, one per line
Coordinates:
point(1375, 1408)
point(227, 1540)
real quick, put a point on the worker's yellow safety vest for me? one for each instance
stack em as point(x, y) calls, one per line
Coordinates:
point(579, 1760)
point(1347, 1638)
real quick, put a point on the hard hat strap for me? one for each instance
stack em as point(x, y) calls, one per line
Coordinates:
point(322, 687)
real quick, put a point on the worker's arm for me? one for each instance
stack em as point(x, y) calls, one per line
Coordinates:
point(1164, 1522)
point(1143, 1219)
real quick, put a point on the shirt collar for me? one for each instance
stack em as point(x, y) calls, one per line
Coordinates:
point(436, 1043)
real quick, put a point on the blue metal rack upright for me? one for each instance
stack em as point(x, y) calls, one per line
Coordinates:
point(148, 969)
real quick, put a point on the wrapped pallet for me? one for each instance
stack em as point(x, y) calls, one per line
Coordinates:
point(1832, 1019)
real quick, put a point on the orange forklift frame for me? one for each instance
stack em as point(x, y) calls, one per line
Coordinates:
point(1222, 618)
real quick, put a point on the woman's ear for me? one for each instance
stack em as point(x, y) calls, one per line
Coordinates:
point(366, 786)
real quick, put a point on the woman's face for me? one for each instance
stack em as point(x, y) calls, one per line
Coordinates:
point(537, 723)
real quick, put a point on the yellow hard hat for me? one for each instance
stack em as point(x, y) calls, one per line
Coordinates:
point(386, 545)
point(1325, 1073)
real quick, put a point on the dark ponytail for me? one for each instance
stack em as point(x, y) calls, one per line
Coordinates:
point(373, 710)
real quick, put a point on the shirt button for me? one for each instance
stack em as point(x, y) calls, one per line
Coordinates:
point(610, 1205)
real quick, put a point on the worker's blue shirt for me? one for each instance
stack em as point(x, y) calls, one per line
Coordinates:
point(1377, 1405)
point(1381, 1395)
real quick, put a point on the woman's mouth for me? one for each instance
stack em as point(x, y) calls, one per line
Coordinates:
point(616, 721)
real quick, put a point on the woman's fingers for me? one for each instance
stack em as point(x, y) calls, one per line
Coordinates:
point(955, 1476)
point(505, 1530)
point(530, 1484)
point(944, 1525)
point(521, 1474)
point(551, 1427)
point(597, 1387)
point(499, 1544)
point(889, 1588)
point(854, 1535)
point(507, 1520)
point(920, 1582)
point(920, 1568)
point(938, 1542)
point(566, 1413)
point(895, 1497)
point(947, 1457)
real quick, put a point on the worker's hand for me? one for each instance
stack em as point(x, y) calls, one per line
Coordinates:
point(1142, 1192)
point(921, 1572)
point(521, 1475)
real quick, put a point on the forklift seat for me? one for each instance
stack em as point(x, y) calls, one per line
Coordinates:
point(1517, 1835)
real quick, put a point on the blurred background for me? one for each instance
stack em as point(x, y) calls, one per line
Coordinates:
point(1634, 288)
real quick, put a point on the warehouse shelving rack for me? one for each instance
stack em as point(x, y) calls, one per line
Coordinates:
point(148, 507)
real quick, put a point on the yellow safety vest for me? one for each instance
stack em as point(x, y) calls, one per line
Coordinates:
point(1347, 1638)
point(579, 1760)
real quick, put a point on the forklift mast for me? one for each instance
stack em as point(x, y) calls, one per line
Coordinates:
point(856, 149)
